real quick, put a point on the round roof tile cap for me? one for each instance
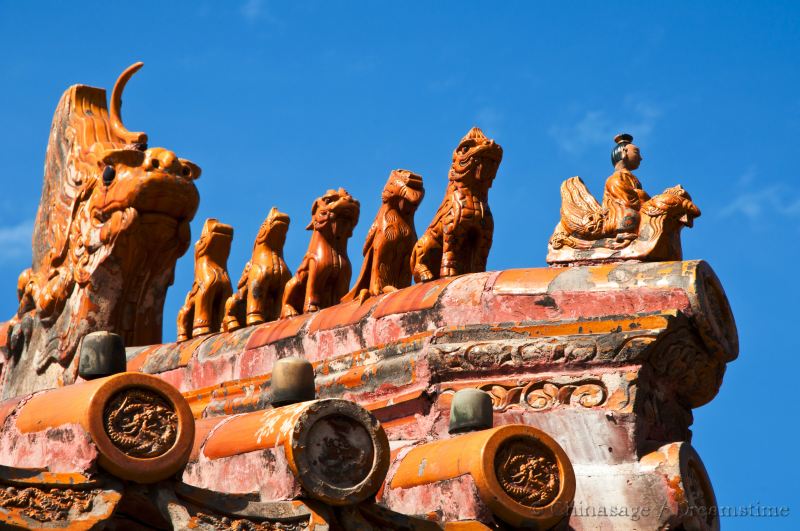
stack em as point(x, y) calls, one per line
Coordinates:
point(470, 410)
point(292, 381)
point(101, 354)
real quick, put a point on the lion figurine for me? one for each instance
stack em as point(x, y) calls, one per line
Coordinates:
point(324, 274)
point(391, 238)
point(460, 236)
point(205, 303)
point(260, 290)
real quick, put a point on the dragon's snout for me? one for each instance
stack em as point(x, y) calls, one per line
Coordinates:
point(159, 159)
point(154, 160)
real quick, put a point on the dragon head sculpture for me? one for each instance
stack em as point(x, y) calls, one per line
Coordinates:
point(675, 205)
point(113, 219)
point(403, 191)
point(335, 215)
point(663, 217)
point(475, 160)
point(273, 230)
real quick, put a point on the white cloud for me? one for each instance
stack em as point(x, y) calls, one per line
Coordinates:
point(15, 241)
point(258, 11)
point(776, 199)
point(252, 10)
point(598, 126)
point(489, 120)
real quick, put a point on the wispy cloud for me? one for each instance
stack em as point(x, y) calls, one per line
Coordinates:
point(777, 199)
point(489, 120)
point(15, 241)
point(252, 10)
point(598, 126)
point(749, 200)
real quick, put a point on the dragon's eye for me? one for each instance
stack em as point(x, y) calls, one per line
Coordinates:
point(155, 163)
point(108, 175)
point(186, 171)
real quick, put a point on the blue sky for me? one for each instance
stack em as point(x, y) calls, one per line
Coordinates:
point(278, 102)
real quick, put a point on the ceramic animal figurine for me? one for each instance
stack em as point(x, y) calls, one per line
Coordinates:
point(260, 289)
point(205, 303)
point(460, 236)
point(391, 238)
point(324, 274)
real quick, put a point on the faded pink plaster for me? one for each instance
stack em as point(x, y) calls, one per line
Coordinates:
point(264, 472)
point(67, 448)
point(453, 499)
point(178, 379)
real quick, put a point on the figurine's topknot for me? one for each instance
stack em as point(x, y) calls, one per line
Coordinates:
point(623, 137)
point(622, 140)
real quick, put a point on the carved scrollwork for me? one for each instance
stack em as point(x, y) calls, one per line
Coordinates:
point(549, 395)
point(46, 505)
point(140, 422)
point(561, 350)
point(543, 395)
point(679, 357)
point(527, 471)
point(224, 523)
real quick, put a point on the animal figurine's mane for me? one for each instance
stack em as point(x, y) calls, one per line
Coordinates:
point(387, 249)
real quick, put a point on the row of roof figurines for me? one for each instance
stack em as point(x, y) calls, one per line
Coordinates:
point(115, 216)
point(628, 225)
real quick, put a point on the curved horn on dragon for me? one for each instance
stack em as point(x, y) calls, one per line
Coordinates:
point(116, 107)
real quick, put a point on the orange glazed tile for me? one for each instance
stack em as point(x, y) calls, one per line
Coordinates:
point(525, 281)
point(85, 404)
point(417, 297)
point(188, 348)
point(342, 314)
point(135, 364)
point(648, 322)
point(4, 333)
point(476, 454)
point(276, 330)
point(468, 525)
point(398, 399)
point(8, 406)
point(39, 477)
